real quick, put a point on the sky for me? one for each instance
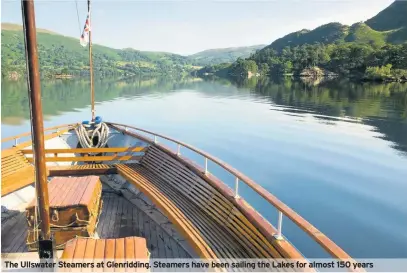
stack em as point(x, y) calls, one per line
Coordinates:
point(187, 27)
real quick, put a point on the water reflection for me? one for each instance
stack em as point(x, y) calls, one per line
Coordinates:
point(317, 146)
point(383, 106)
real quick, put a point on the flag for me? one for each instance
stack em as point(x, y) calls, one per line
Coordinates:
point(85, 33)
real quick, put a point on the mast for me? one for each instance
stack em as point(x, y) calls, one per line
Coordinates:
point(92, 89)
point(37, 126)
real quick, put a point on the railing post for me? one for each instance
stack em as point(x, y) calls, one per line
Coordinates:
point(155, 139)
point(206, 166)
point(237, 187)
point(15, 141)
point(126, 129)
point(279, 235)
point(179, 150)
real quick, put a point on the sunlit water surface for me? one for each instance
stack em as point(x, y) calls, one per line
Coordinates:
point(336, 153)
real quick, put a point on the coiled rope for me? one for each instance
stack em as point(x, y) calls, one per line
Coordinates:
point(88, 132)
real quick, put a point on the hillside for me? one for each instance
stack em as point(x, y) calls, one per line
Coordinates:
point(373, 50)
point(391, 18)
point(393, 21)
point(326, 34)
point(388, 26)
point(223, 55)
point(64, 55)
point(61, 54)
point(336, 33)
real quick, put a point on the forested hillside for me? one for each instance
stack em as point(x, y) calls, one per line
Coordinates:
point(64, 55)
point(223, 55)
point(61, 54)
point(374, 50)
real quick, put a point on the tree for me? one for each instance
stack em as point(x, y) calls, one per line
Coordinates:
point(287, 67)
point(264, 69)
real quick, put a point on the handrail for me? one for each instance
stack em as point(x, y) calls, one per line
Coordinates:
point(326, 243)
point(333, 249)
point(134, 149)
point(29, 133)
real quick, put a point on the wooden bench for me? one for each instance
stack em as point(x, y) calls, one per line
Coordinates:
point(77, 170)
point(211, 223)
point(16, 171)
point(118, 250)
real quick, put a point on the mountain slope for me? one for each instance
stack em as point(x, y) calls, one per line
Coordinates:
point(223, 55)
point(388, 26)
point(361, 33)
point(391, 18)
point(61, 54)
point(375, 50)
point(325, 34)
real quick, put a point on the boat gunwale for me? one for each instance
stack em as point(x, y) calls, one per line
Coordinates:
point(327, 244)
point(63, 126)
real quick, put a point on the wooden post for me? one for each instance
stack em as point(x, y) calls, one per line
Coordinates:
point(92, 89)
point(37, 125)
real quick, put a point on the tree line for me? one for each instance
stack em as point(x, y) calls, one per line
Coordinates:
point(363, 61)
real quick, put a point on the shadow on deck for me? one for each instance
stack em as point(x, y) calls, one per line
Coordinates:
point(119, 218)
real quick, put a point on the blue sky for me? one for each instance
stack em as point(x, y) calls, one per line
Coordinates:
point(187, 27)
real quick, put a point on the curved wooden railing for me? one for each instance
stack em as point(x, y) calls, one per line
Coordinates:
point(333, 249)
point(59, 128)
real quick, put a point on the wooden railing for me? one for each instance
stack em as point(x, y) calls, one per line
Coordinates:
point(58, 130)
point(334, 250)
point(86, 157)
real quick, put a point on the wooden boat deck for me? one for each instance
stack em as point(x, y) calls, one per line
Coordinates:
point(215, 221)
point(119, 218)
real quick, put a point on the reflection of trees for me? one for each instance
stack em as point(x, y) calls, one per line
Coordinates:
point(67, 95)
point(383, 106)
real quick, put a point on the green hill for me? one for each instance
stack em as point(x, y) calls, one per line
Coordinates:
point(335, 33)
point(388, 26)
point(325, 34)
point(393, 21)
point(223, 55)
point(61, 54)
point(361, 33)
point(392, 18)
point(371, 50)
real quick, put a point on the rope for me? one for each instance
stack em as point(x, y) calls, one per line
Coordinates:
point(87, 132)
point(76, 221)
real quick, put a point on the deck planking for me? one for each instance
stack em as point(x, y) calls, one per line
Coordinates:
point(119, 218)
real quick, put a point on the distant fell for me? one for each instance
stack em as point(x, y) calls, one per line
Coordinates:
point(325, 34)
point(60, 54)
point(15, 27)
point(388, 26)
point(223, 55)
point(391, 18)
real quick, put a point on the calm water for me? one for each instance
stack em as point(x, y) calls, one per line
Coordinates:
point(336, 153)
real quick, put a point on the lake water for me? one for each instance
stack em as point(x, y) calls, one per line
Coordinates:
point(335, 152)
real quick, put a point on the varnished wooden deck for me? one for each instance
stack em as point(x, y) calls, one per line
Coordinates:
point(119, 218)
